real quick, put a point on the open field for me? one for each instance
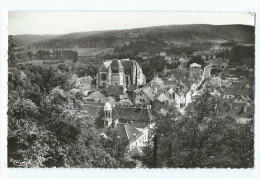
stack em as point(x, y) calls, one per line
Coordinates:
point(81, 51)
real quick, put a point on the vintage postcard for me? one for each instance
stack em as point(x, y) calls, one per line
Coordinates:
point(131, 90)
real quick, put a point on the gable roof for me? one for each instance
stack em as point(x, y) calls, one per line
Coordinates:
point(128, 132)
point(95, 96)
point(116, 64)
point(157, 81)
point(162, 98)
point(132, 113)
point(148, 92)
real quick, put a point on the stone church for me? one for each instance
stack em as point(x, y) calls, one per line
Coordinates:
point(120, 72)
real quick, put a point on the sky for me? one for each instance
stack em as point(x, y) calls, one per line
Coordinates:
point(67, 22)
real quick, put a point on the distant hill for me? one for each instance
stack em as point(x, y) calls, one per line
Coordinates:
point(28, 39)
point(170, 33)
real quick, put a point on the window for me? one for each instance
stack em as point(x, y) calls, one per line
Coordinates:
point(103, 76)
point(115, 71)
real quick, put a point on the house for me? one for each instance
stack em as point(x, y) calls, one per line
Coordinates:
point(176, 94)
point(161, 101)
point(144, 95)
point(137, 138)
point(95, 97)
point(156, 83)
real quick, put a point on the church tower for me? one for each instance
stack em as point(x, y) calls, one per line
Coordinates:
point(107, 115)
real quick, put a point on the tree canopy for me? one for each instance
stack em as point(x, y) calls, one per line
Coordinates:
point(204, 139)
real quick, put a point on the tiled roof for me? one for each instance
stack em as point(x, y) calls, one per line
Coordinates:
point(162, 98)
point(131, 113)
point(148, 92)
point(128, 131)
point(114, 90)
point(95, 96)
point(157, 81)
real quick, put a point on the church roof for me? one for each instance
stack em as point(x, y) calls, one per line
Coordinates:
point(127, 64)
point(116, 64)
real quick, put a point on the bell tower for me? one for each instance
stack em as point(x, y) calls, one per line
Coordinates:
point(107, 114)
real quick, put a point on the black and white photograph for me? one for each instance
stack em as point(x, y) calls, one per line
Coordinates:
point(131, 90)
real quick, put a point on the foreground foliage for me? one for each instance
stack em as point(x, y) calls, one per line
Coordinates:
point(204, 139)
point(47, 128)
